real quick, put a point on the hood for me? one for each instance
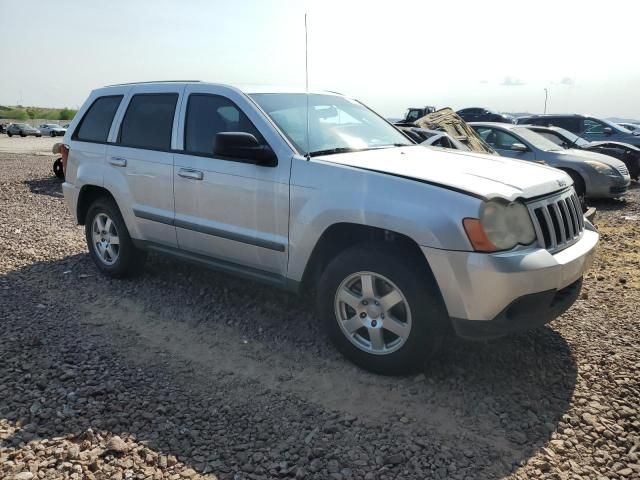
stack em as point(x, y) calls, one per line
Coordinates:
point(606, 143)
point(481, 175)
point(582, 155)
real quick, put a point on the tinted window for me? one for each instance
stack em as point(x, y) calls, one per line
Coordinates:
point(96, 123)
point(149, 121)
point(208, 115)
point(568, 123)
point(593, 126)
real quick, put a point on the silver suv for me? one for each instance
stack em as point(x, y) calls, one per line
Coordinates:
point(317, 194)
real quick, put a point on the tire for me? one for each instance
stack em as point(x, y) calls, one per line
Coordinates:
point(123, 259)
point(578, 183)
point(58, 171)
point(420, 309)
point(38, 136)
point(10, 134)
point(22, 134)
point(52, 134)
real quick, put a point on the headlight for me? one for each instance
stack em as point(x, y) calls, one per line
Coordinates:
point(602, 168)
point(501, 226)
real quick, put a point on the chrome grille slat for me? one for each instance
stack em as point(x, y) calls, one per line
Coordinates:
point(557, 220)
point(561, 221)
point(569, 216)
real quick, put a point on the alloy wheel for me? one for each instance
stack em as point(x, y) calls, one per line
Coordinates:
point(373, 313)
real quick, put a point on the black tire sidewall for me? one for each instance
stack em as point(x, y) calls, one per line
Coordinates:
point(130, 259)
point(429, 317)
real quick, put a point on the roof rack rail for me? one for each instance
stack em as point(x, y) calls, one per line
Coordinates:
point(154, 81)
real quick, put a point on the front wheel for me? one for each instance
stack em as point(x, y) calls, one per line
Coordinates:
point(52, 134)
point(10, 134)
point(382, 309)
point(109, 243)
point(22, 135)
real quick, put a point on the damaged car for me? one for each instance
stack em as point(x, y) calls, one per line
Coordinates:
point(594, 175)
point(625, 152)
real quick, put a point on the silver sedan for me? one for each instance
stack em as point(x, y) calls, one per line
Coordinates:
point(594, 175)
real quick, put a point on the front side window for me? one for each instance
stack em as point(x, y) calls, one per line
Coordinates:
point(96, 123)
point(335, 123)
point(593, 126)
point(208, 115)
point(148, 121)
point(497, 138)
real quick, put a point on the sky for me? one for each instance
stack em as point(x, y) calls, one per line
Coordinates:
point(498, 54)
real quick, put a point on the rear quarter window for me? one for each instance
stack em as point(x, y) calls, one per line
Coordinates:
point(148, 121)
point(96, 123)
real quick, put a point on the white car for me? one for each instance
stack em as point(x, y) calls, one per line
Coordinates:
point(52, 129)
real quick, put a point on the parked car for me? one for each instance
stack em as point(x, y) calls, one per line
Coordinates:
point(592, 129)
point(52, 129)
point(316, 193)
point(3, 127)
point(632, 127)
point(23, 130)
point(415, 113)
point(433, 138)
point(484, 115)
point(624, 152)
point(594, 175)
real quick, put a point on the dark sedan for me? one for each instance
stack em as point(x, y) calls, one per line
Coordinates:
point(23, 130)
point(484, 115)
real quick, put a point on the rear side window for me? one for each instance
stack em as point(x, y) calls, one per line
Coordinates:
point(96, 123)
point(149, 121)
point(208, 115)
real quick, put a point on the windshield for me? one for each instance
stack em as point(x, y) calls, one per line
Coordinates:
point(336, 124)
point(52, 125)
point(572, 138)
point(536, 139)
point(615, 126)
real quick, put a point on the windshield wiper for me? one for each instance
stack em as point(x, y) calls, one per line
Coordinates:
point(331, 151)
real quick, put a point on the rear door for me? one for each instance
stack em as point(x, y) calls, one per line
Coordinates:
point(140, 161)
point(228, 208)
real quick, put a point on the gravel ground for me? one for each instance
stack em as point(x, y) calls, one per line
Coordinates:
point(27, 145)
point(185, 373)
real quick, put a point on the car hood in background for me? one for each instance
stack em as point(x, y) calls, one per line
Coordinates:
point(478, 174)
point(582, 155)
point(609, 144)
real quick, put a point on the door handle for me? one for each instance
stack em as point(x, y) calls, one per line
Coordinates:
point(189, 173)
point(118, 162)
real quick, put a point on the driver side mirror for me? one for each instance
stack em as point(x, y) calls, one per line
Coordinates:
point(519, 147)
point(243, 146)
point(607, 130)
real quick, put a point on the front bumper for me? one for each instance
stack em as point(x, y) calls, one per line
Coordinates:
point(498, 288)
point(608, 186)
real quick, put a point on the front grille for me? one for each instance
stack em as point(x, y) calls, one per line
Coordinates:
point(624, 171)
point(557, 220)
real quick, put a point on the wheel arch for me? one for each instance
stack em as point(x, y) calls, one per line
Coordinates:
point(573, 173)
point(87, 195)
point(340, 236)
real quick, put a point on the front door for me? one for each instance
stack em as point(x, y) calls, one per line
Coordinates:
point(228, 208)
point(503, 143)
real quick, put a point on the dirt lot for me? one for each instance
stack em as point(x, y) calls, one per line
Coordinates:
point(32, 145)
point(185, 373)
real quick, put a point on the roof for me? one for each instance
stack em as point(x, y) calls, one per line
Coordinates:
point(247, 89)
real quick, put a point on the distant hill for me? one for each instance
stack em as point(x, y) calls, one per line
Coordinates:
point(18, 112)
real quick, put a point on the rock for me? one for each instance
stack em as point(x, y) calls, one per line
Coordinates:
point(23, 476)
point(116, 444)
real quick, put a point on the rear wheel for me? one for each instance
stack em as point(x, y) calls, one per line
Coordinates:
point(10, 134)
point(382, 309)
point(109, 242)
point(57, 169)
